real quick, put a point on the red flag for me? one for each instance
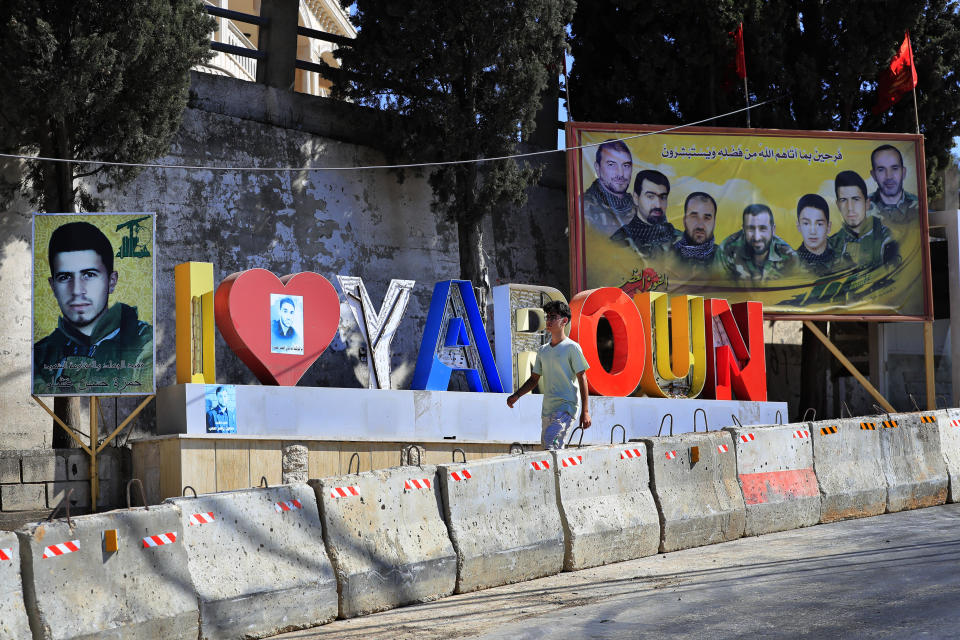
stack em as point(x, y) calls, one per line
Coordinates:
point(899, 79)
point(741, 60)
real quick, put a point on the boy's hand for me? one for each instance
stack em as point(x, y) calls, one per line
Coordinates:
point(585, 421)
point(511, 400)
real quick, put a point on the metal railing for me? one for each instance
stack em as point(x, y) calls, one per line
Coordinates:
point(271, 62)
point(229, 62)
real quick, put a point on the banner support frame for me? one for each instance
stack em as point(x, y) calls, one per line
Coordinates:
point(929, 370)
point(849, 366)
point(95, 447)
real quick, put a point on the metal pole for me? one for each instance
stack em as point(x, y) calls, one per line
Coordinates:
point(916, 113)
point(94, 436)
point(928, 365)
point(746, 95)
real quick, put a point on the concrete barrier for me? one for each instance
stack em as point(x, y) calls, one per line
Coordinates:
point(503, 519)
point(606, 506)
point(775, 472)
point(257, 561)
point(386, 538)
point(912, 462)
point(847, 462)
point(948, 424)
point(75, 586)
point(13, 621)
point(694, 482)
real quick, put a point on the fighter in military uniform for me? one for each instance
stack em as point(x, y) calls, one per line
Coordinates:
point(607, 204)
point(813, 222)
point(695, 250)
point(648, 232)
point(863, 239)
point(890, 202)
point(756, 253)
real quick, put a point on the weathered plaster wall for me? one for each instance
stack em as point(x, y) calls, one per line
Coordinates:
point(20, 418)
point(367, 223)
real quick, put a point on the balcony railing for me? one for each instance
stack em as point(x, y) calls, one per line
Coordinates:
point(232, 64)
point(274, 62)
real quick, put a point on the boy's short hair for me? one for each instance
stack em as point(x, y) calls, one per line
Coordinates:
point(558, 307)
point(814, 201)
point(80, 236)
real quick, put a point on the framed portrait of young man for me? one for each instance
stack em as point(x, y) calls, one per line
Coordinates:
point(93, 304)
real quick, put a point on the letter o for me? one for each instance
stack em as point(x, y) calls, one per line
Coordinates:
point(629, 343)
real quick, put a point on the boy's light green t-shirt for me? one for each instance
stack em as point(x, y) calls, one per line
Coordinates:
point(558, 367)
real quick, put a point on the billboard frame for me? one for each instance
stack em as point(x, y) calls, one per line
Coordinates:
point(575, 206)
point(153, 301)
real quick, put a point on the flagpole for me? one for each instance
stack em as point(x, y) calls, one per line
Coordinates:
point(916, 113)
point(913, 71)
point(746, 95)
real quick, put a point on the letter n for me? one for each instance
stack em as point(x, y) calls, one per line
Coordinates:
point(736, 360)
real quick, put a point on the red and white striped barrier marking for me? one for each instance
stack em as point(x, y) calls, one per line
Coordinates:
point(955, 423)
point(671, 455)
point(540, 465)
point(722, 448)
point(458, 476)
point(802, 433)
point(414, 483)
point(202, 518)
point(626, 454)
point(6, 554)
point(55, 550)
point(159, 540)
point(287, 505)
point(344, 492)
point(747, 437)
point(571, 462)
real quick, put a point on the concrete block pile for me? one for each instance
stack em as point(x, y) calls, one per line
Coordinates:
point(258, 562)
point(39, 479)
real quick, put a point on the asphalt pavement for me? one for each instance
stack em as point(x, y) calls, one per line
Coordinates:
point(890, 576)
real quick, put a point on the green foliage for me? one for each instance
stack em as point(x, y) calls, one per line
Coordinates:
point(466, 77)
point(95, 78)
point(668, 61)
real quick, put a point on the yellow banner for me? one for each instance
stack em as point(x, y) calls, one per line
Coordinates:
point(820, 225)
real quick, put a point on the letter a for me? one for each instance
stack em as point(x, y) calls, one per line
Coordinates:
point(454, 339)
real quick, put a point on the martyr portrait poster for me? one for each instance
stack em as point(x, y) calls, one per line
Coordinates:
point(815, 224)
point(93, 304)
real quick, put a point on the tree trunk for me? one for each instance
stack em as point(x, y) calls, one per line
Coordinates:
point(75, 412)
point(58, 197)
point(473, 262)
point(814, 368)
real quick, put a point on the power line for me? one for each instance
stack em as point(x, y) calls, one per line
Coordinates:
point(412, 165)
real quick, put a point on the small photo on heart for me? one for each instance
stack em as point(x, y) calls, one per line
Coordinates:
point(286, 324)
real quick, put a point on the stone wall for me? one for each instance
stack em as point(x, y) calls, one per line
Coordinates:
point(35, 480)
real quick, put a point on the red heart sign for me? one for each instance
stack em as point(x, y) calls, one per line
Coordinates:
point(277, 326)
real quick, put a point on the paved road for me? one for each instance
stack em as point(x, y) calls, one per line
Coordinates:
point(891, 576)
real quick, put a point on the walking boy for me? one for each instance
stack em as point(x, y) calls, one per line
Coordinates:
point(563, 368)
